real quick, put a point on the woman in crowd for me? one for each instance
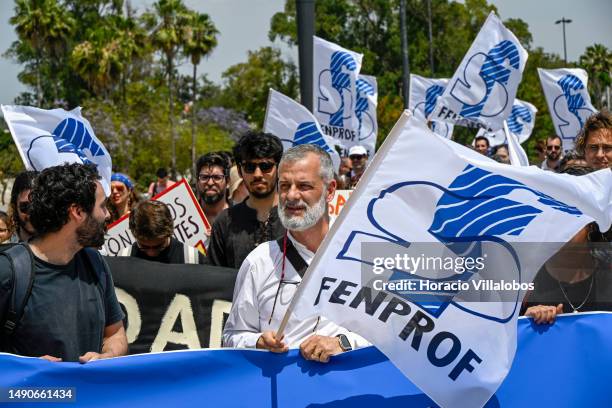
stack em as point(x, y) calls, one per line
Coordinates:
point(578, 278)
point(123, 196)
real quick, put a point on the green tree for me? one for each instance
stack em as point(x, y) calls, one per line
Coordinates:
point(45, 26)
point(597, 60)
point(168, 33)
point(201, 39)
point(247, 83)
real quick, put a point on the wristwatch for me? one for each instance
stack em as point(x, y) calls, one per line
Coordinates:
point(345, 344)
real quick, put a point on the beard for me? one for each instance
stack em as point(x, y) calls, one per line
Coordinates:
point(212, 199)
point(311, 216)
point(255, 192)
point(91, 233)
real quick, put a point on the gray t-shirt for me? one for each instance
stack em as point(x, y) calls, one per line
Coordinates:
point(66, 313)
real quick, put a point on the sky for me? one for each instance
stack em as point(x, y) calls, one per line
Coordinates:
point(244, 25)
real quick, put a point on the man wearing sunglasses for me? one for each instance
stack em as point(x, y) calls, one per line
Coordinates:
point(152, 225)
point(241, 228)
point(270, 275)
point(19, 207)
point(359, 162)
point(213, 176)
point(554, 150)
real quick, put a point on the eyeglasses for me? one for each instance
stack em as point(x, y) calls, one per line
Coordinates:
point(357, 156)
point(553, 147)
point(118, 188)
point(250, 167)
point(594, 148)
point(217, 178)
point(24, 207)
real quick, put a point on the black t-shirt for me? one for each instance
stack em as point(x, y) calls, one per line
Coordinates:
point(593, 293)
point(237, 231)
point(66, 313)
point(174, 254)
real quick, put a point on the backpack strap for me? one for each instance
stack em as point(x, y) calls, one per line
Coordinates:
point(22, 275)
point(298, 263)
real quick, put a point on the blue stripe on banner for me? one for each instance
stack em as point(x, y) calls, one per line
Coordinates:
point(563, 365)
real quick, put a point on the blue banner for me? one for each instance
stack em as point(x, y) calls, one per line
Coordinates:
point(566, 364)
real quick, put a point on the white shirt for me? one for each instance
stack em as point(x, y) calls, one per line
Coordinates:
point(256, 286)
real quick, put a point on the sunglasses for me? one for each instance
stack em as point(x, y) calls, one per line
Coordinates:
point(24, 207)
point(553, 147)
point(357, 156)
point(119, 188)
point(217, 178)
point(265, 167)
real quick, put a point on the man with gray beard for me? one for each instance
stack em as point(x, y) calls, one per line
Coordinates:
point(270, 274)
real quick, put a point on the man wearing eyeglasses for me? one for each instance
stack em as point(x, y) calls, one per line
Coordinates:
point(213, 175)
point(152, 225)
point(554, 148)
point(359, 162)
point(241, 228)
point(595, 141)
point(270, 275)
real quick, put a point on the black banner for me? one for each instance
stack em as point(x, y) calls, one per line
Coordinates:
point(172, 307)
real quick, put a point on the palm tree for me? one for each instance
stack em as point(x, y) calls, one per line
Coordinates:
point(597, 60)
point(100, 60)
point(167, 36)
point(201, 39)
point(46, 27)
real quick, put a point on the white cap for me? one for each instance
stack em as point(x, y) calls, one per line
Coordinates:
point(357, 150)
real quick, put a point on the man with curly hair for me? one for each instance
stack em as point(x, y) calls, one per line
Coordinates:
point(72, 312)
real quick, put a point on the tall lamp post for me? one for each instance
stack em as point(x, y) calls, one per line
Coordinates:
point(564, 21)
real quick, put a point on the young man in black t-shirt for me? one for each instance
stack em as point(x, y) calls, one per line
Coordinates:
point(72, 313)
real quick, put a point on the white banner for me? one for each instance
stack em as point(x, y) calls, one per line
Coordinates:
point(365, 110)
point(457, 351)
point(190, 224)
point(483, 88)
point(47, 138)
point(520, 122)
point(424, 93)
point(568, 101)
point(293, 124)
point(335, 74)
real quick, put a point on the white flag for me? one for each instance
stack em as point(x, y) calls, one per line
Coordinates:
point(365, 111)
point(516, 153)
point(424, 93)
point(568, 101)
point(335, 74)
point(458, 352)
point(483, 88)
point(293, 124)
point(48, 138)
point(520, 122)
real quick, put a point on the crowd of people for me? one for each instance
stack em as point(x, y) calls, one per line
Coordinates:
point(269, 213)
